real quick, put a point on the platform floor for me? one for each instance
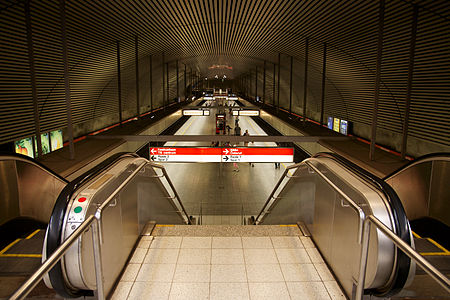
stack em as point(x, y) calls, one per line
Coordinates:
point(227, 262)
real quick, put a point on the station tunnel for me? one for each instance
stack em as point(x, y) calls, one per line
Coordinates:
point(346, 104)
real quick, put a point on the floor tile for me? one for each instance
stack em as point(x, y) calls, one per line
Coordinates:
point(314, 255)
point(264, 273)
point(226, 242)
point(308, 290)
point(269, 291)
point(156, 272)
point(189, 291)
point(138, 256)
point(228, 273)
point(257, 242)
point(286, 242)
point(260, 256)
point(324, 272)
point(130, 272)
point(307, 242)
point(122, 290)
point(299, 272)
point(228, 291)
point(166, 242)
point(192, 273)
point(227, 256)
point(149, 290)
point(292, 256)
point(334, 290)
point(161, 256)
point(194, 256)
point(196, 242)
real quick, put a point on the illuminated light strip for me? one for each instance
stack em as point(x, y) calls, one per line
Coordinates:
point(288, 225)
point(21, 255)
point(9, 246)
point(33, 234)
point(164, 225)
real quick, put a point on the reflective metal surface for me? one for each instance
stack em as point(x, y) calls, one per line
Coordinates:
point(27, 189)
point(423, 188)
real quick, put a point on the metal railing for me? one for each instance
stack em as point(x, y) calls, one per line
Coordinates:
point(364, 234)
point(407, 249)
point(97, 237)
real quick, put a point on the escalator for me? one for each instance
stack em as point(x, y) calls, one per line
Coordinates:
point(28, 192)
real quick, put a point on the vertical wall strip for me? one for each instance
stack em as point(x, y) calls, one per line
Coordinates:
point(377, 81)
point(37, 126)
point(305, 86)
point(62, 7)
point(290, 85)
point(273, 84)
point(279, 73)
point(264, 84)
point(178, 88)
point(256, 83)
point(167, 84)
point(324, 71)
point(163, 81)
point(136, 48)
point(185, 88)
point(412, 49)
point(119, 83)
point(151, 82)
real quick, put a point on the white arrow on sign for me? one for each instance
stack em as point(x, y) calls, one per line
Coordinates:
point(153, 151)
point(226, 151)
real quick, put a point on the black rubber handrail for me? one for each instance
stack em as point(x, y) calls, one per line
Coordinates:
point(30, 160)
point(418, 161)
point(401, 223)
point(55, 225)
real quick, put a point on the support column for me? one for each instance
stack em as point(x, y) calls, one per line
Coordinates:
point(163, 79)
point(412, 50)
point(273, 84)
point(324, 69)
point(167, 84)
point(278, 91)
point(256, 83)
point(37, 126)
point(136, 48)
point(377, 81)
point(178, 79)
point(151, 82)
point(62, 13)
point(290, 86)
point(264, 84)
point(119, 83)
point(305, 86)
point(185, 87)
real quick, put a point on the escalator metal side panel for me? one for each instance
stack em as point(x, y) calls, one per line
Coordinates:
point(9, 191)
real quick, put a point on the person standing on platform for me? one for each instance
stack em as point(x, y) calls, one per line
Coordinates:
point(237, 130)
point(228, 129)
point(236, 121)
point(246, 144)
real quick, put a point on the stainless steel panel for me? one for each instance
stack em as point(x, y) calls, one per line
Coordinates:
point(9, 194)
point(439, 199)
point(413, 186)
point(38, 191)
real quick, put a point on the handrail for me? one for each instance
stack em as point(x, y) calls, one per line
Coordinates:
point(26, 288)
point(188, 221)
point(275, 189)
point(407, 249)
point(439, 156)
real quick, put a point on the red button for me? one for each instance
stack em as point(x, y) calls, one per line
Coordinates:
point(82, 199)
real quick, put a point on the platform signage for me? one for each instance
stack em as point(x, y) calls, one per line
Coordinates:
point(233, 154)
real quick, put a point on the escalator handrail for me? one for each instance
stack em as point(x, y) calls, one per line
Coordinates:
point(29, 160)
point(401, 223)
point(55, 225)
point(428, 157)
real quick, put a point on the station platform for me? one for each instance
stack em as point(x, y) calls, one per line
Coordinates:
point(227, 262)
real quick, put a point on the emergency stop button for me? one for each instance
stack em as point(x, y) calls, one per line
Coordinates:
point(82, 199)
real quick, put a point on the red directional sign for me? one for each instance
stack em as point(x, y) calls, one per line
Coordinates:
point(206, 154)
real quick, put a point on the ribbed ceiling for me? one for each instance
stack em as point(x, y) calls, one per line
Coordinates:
point(224, 37)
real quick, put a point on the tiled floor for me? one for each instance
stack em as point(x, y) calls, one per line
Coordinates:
point(277, 267)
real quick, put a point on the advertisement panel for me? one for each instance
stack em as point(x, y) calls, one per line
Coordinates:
point(344, 127)
point(336, 124)
point(45, 143)
point(25, 147)
point(330, 123)
point(56, 138)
